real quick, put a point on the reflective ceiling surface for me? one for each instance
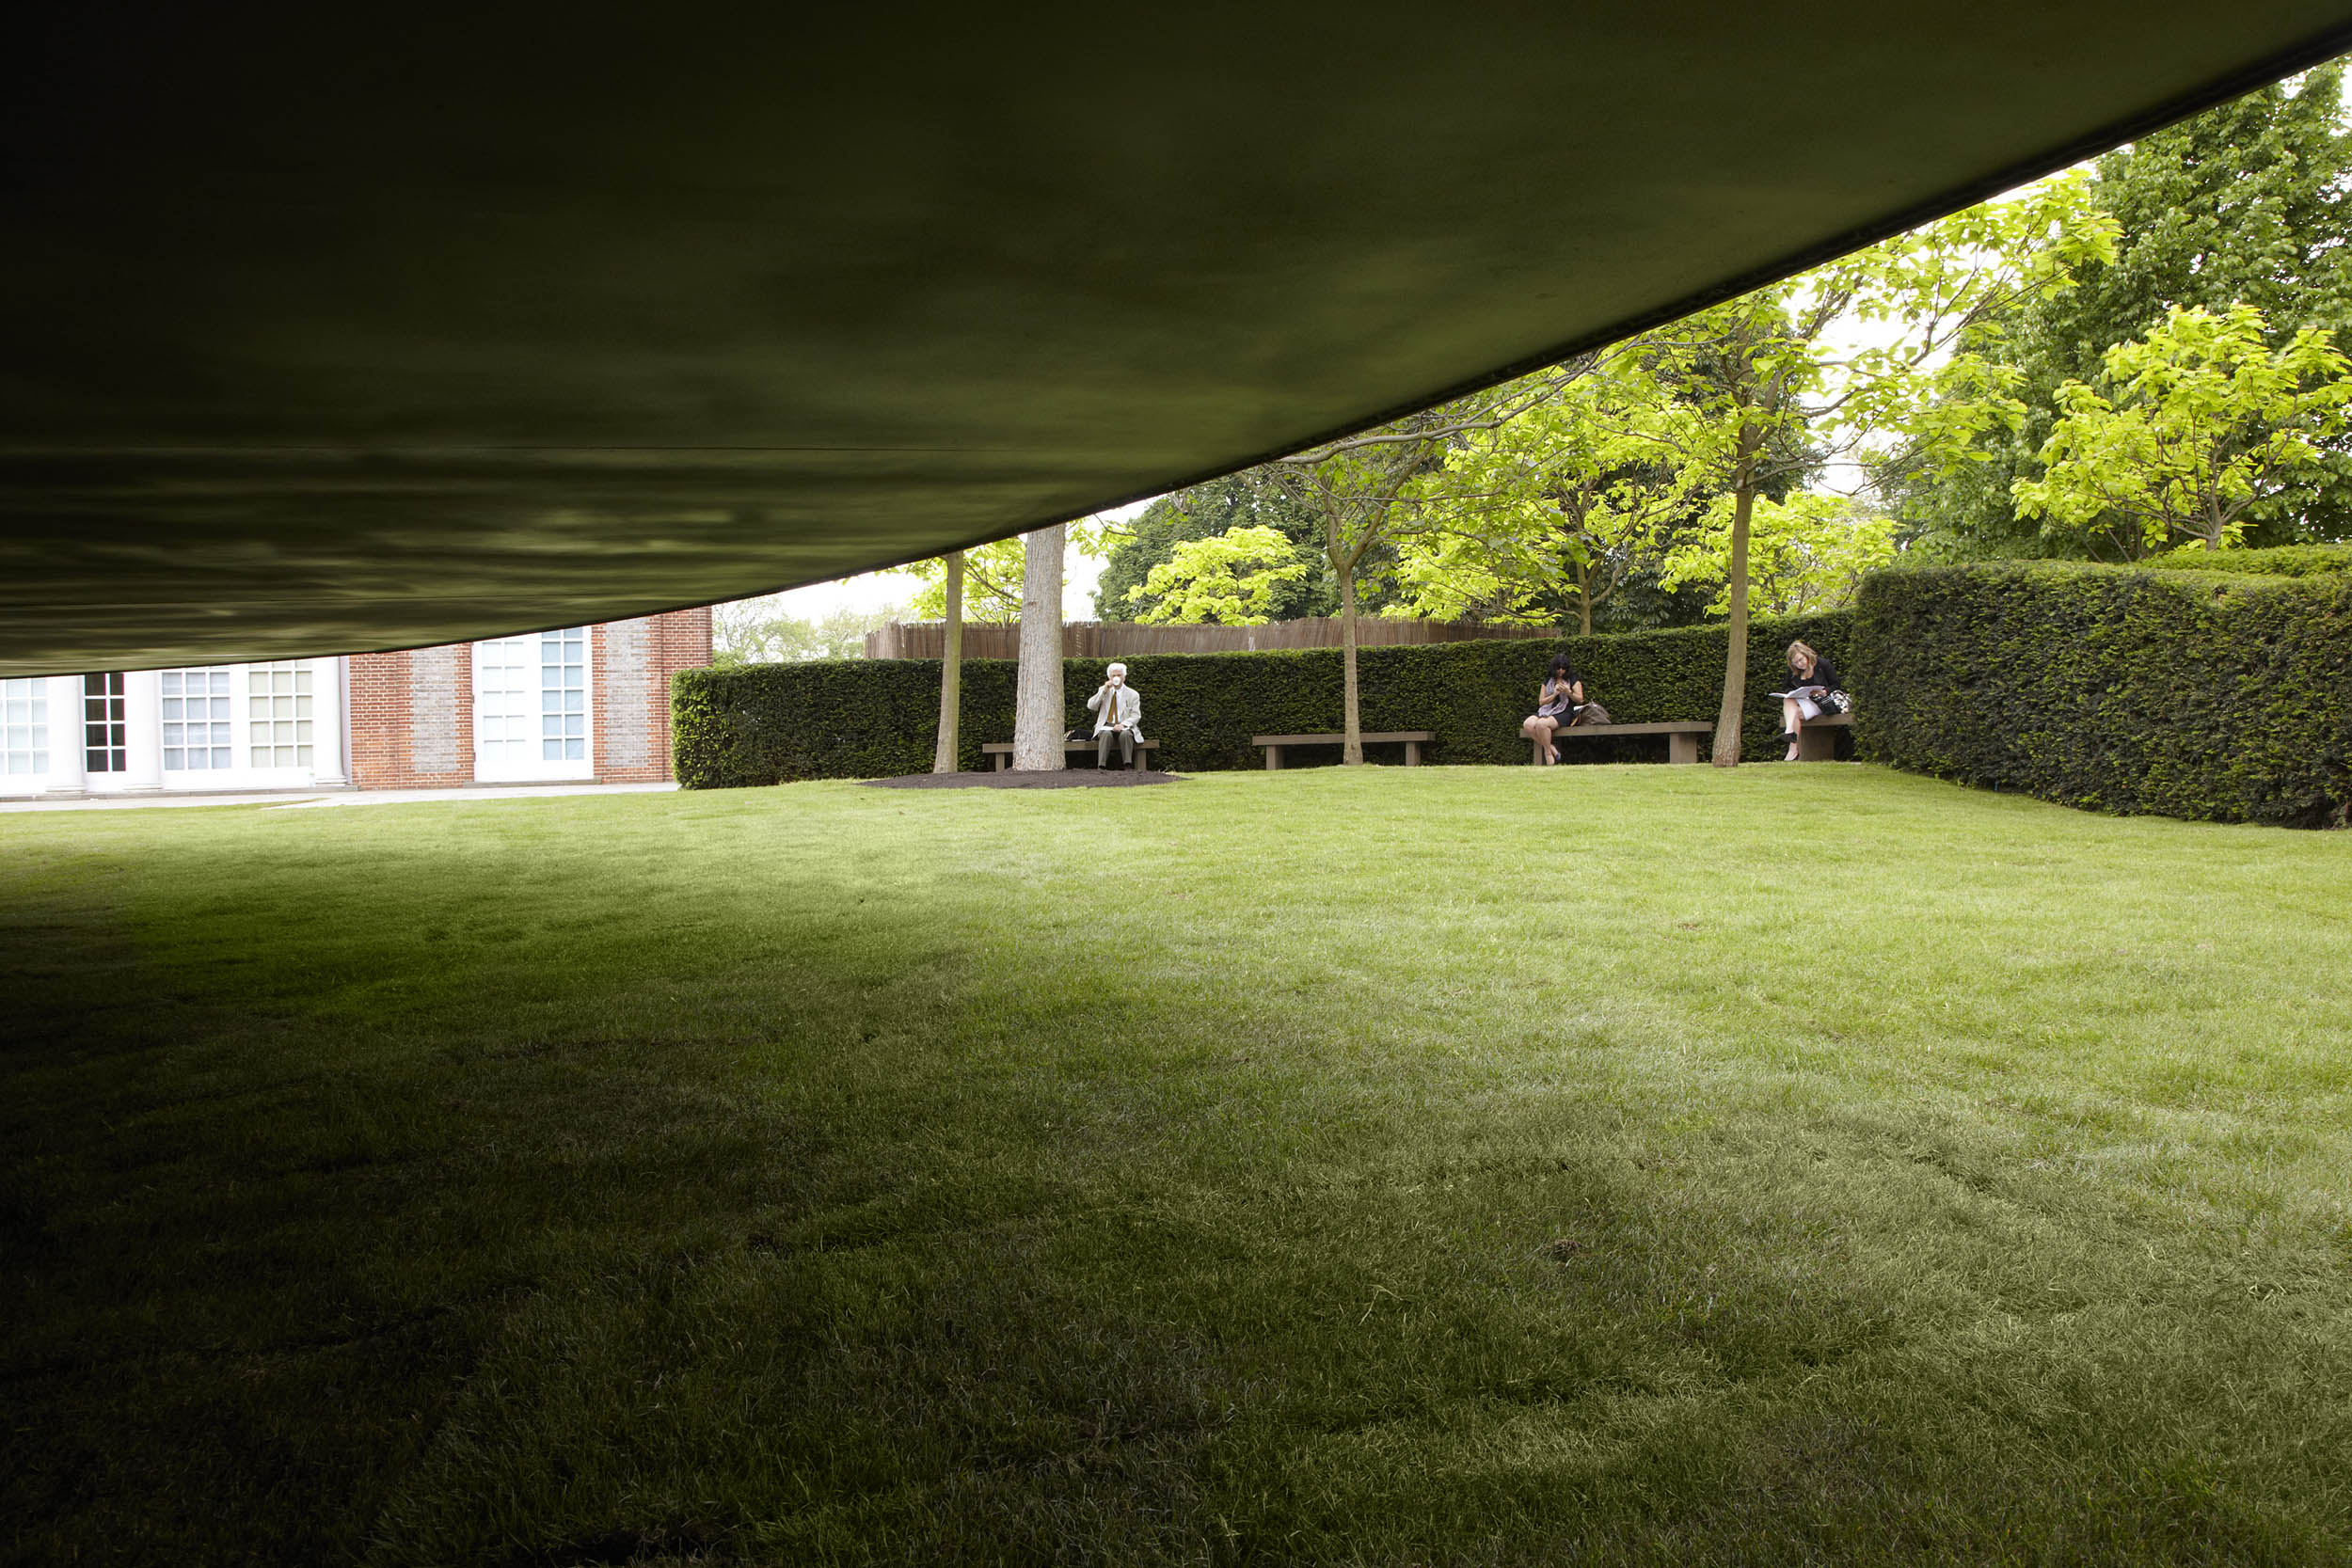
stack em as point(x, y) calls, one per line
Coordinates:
point(325, 332)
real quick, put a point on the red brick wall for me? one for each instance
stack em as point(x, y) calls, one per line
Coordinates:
point(412, 712)
point(681, 642)
point(635, 661)
point(412, 718)
point(378, 740)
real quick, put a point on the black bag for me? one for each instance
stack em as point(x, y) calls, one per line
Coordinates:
point(1835, 702)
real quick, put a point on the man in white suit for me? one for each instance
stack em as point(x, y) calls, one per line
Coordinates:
point(1118, 709)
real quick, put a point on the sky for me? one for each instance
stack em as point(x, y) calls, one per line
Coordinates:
point(880, 589)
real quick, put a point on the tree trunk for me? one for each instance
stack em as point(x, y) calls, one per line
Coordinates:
point(1036, 721)
point(951, 670)
point(1351, 724)
point(1585, 596)
point(1736, 656)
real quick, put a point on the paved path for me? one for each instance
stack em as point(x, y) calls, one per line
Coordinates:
point(292, 799)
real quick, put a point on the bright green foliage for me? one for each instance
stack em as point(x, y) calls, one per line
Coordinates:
point(1778, 391)
point(991, 583)
point(1247, 500)
point(1363, 490)
point(1778, 394)
point(2283, 560)
point(1542, 518)
point(2206, 695)
point(992, 577)
point(1228, 579)
point(2207, 423)
point(876, 718)
point(1805, 554)
point(1920, 398)
point(2245, 203)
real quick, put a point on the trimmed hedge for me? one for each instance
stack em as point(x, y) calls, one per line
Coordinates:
point(864, 719)
point(2214, 696)
point(2287, 561)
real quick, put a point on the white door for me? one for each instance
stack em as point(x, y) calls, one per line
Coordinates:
point(530, 708)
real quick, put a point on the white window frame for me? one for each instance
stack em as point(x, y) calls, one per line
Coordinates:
point(26, 739)
point(511, 717)
point(218, 692)
point(294, 717)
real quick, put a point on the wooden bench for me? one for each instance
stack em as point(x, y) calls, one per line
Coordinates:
point(1002, 751)
point(1815, 742)
point(1682, 736)
point(1413, 739)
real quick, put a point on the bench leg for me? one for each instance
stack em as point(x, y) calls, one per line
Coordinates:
point(1412, 753)
point(1273, 759)
point(1004, 760)
point(1815, 745)
point(1141, 753)
point(1535, 751)
point(1682, 747)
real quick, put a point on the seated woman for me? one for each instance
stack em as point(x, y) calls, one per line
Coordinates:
point(1556, 706)
point(1811, 679)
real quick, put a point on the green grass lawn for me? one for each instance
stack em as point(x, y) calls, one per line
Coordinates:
point(1602, 1165)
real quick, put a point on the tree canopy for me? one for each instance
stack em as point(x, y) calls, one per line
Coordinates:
point(2247, 203)
point(1240, 501)
point(1226, 580)
point(2207, 425)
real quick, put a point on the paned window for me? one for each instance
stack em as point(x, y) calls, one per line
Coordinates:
point(198, 725)
point(105, 735)
point(502, 683)
point(563, 695)
point(25, 726)
point(277, 706)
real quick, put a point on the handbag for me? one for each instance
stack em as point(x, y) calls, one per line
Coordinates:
point(1590, 713)
point(1836, 702)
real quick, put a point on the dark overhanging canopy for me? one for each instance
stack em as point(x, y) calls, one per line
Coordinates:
point(325, 334)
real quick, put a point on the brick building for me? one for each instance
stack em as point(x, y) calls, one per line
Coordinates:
point(588, 703)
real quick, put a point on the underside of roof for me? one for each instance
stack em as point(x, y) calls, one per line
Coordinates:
point(325, 333)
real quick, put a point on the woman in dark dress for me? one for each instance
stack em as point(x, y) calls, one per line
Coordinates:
point(1811, 679)
point(1555, 707)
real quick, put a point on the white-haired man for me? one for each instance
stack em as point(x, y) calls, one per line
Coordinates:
point(1118, 709)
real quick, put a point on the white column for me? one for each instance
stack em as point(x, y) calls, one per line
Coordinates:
point(66, 776)
point(143, 731)
point(326, 723)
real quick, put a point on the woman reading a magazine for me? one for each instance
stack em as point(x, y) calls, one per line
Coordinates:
point(1811, 679)
point(1556, 706)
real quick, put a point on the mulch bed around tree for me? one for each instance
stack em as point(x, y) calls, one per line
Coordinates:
point(1014, 779)
point(1058, 778)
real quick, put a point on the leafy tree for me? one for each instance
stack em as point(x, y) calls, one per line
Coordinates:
point(756, 631)
point(1805, 554)
point(1252, 498)
point(1360, 488)
point(1546, 516)
point(1228, 578)
point(2250, 202)
point(1777, 390)
point(2207, 423)
point(991, 583)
